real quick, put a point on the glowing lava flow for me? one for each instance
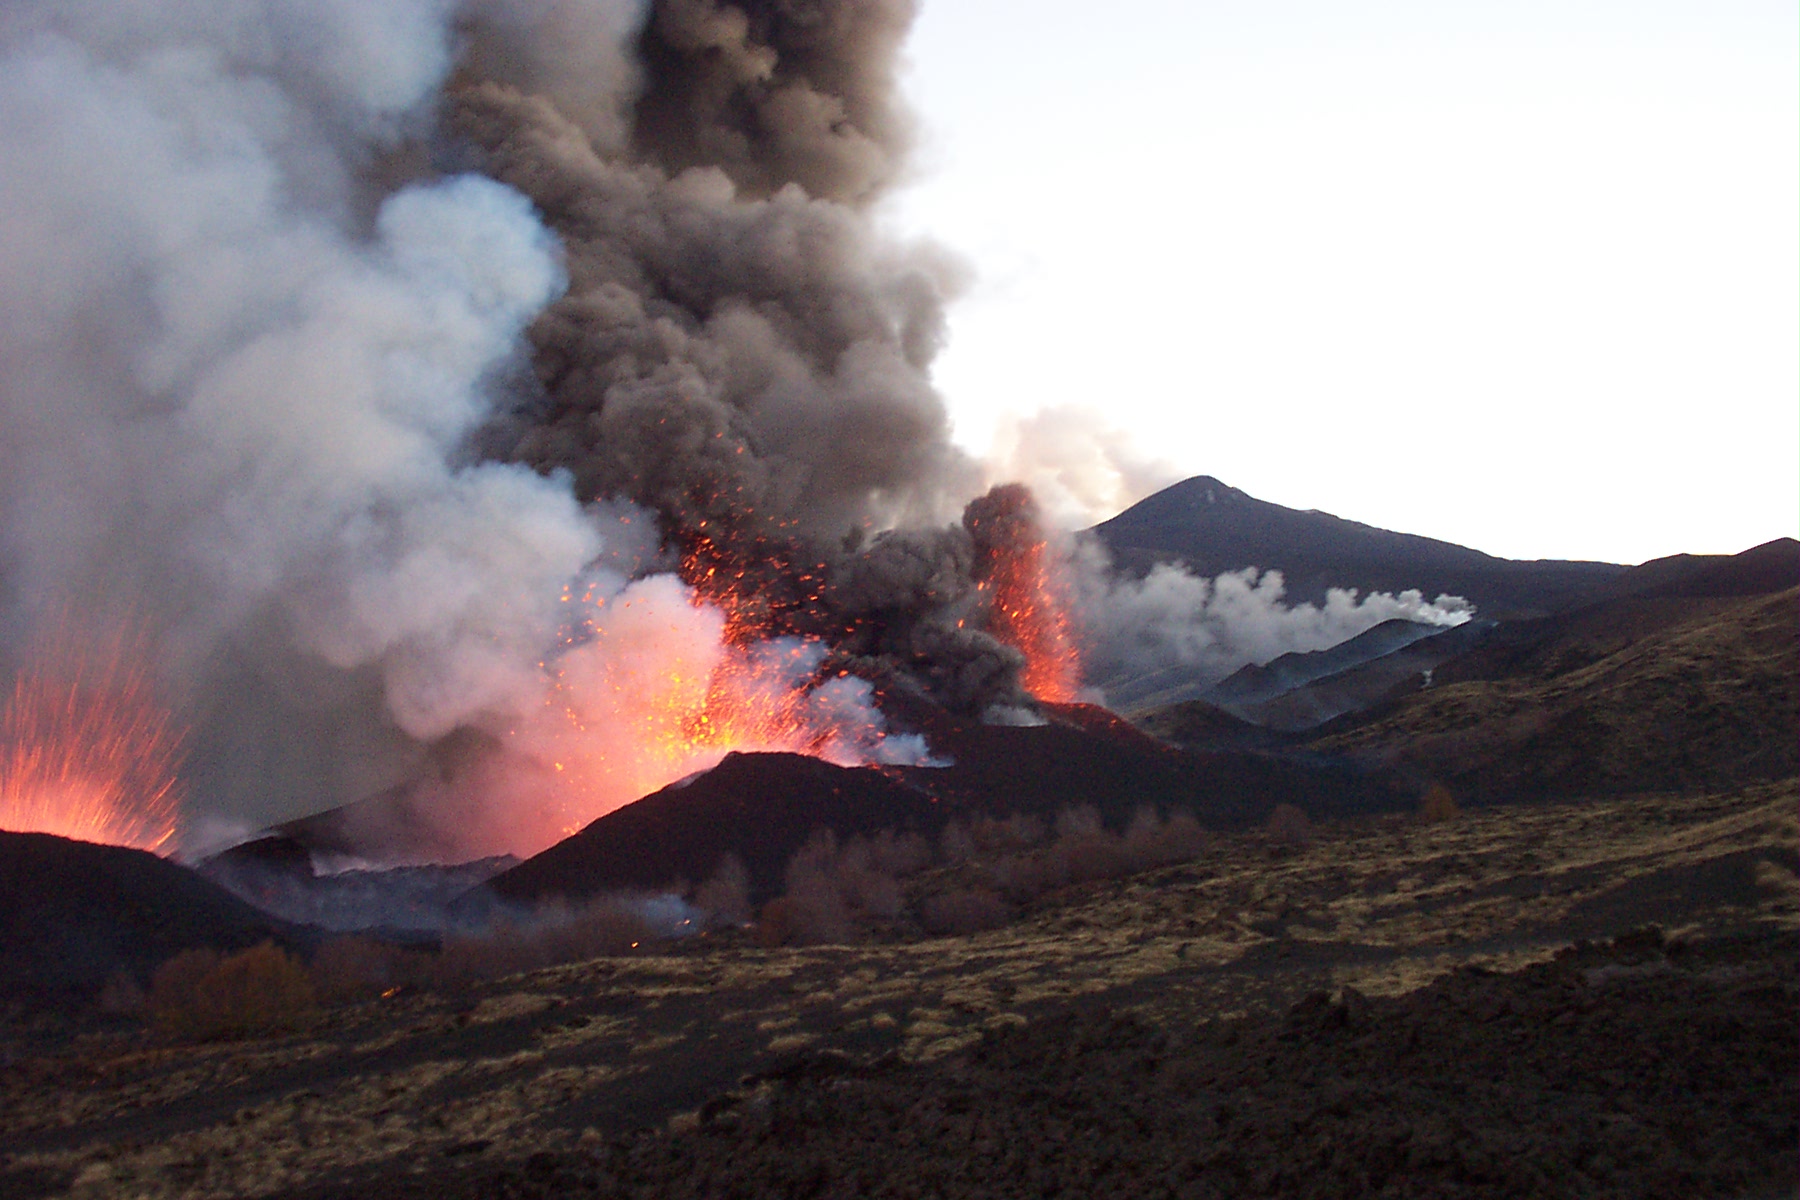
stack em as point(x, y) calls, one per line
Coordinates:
point(87, 753)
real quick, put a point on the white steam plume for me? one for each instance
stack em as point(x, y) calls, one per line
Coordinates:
point(1081, 469)
point(1171, 617)
point(227, 397)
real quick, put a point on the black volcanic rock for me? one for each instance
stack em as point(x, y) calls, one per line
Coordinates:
point(1087, 756)
point(72, 913)
point(1367, 684)
point(1214, 528)
point(1634, 695)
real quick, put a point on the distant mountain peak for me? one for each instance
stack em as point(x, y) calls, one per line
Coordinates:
point(1214, 528)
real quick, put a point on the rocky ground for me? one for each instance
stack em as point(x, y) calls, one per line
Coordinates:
point(1396, 1007)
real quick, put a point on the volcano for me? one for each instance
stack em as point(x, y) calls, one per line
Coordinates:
point(1214, 528)
point(761, 808)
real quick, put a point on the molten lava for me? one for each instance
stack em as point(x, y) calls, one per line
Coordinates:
point(1029, 615)
point(1027, 607)
point(86, 752)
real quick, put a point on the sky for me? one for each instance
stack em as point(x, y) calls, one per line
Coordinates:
point(1521, 276)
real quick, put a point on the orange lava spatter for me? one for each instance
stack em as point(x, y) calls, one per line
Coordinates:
point(665, 683)
point(1028, 613)
point(1027, 601)
point(87, 752)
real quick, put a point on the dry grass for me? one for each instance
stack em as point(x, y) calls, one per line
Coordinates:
point(1411, 898)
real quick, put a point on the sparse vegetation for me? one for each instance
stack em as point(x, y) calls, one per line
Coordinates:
point(1288, 827)
point(1437, 804)
point(199, 995)
point(725, 898)
point(985, 867)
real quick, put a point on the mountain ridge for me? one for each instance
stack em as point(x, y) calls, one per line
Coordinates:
point(1214, 528)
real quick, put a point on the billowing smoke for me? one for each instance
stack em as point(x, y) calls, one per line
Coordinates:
point(383, 353)
point(512, 402)
point(1172, 617)
point(1081, 469)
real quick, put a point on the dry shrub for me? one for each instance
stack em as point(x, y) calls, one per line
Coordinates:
point(1437, 804)
point(899, 854)
point(725, 898)
point(994, 835)
point(355, 968)
point(1150, 841)
point(964, 910)
point(1288, 826)
point(829, 888)
point(775, 923)
point(1024, 877)
point(600, 930)
point(1077, 821)
point(818, 910)
point(556, 933)
point(864, 884)
point(199, 995)
point(1088, 855)
point(955, 843)
point(1084, 851)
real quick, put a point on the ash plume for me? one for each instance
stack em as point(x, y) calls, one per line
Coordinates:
point(350, 341)
point(524, 375)
point(776, 92)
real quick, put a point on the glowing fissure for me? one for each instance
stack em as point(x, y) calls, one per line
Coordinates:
point(86, 752)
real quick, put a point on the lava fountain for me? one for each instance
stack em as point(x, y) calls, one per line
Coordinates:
point(1027, 606)
point(87, 752)
point(659, 682)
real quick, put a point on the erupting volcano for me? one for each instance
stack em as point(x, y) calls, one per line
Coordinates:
point(535, 380)
point(86, 752)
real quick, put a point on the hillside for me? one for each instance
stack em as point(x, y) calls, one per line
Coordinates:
point(1640, 695)
point(72, 913)
point(763, 807)
point(1215, 528)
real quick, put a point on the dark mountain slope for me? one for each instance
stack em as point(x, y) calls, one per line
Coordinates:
point(1214, 528)
point(72, 913)
point(1633, 696)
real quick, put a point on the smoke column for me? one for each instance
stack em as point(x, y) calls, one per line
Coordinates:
point(512, 402)
point(350, 340)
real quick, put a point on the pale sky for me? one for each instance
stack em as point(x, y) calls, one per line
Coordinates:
point(1520, 275)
